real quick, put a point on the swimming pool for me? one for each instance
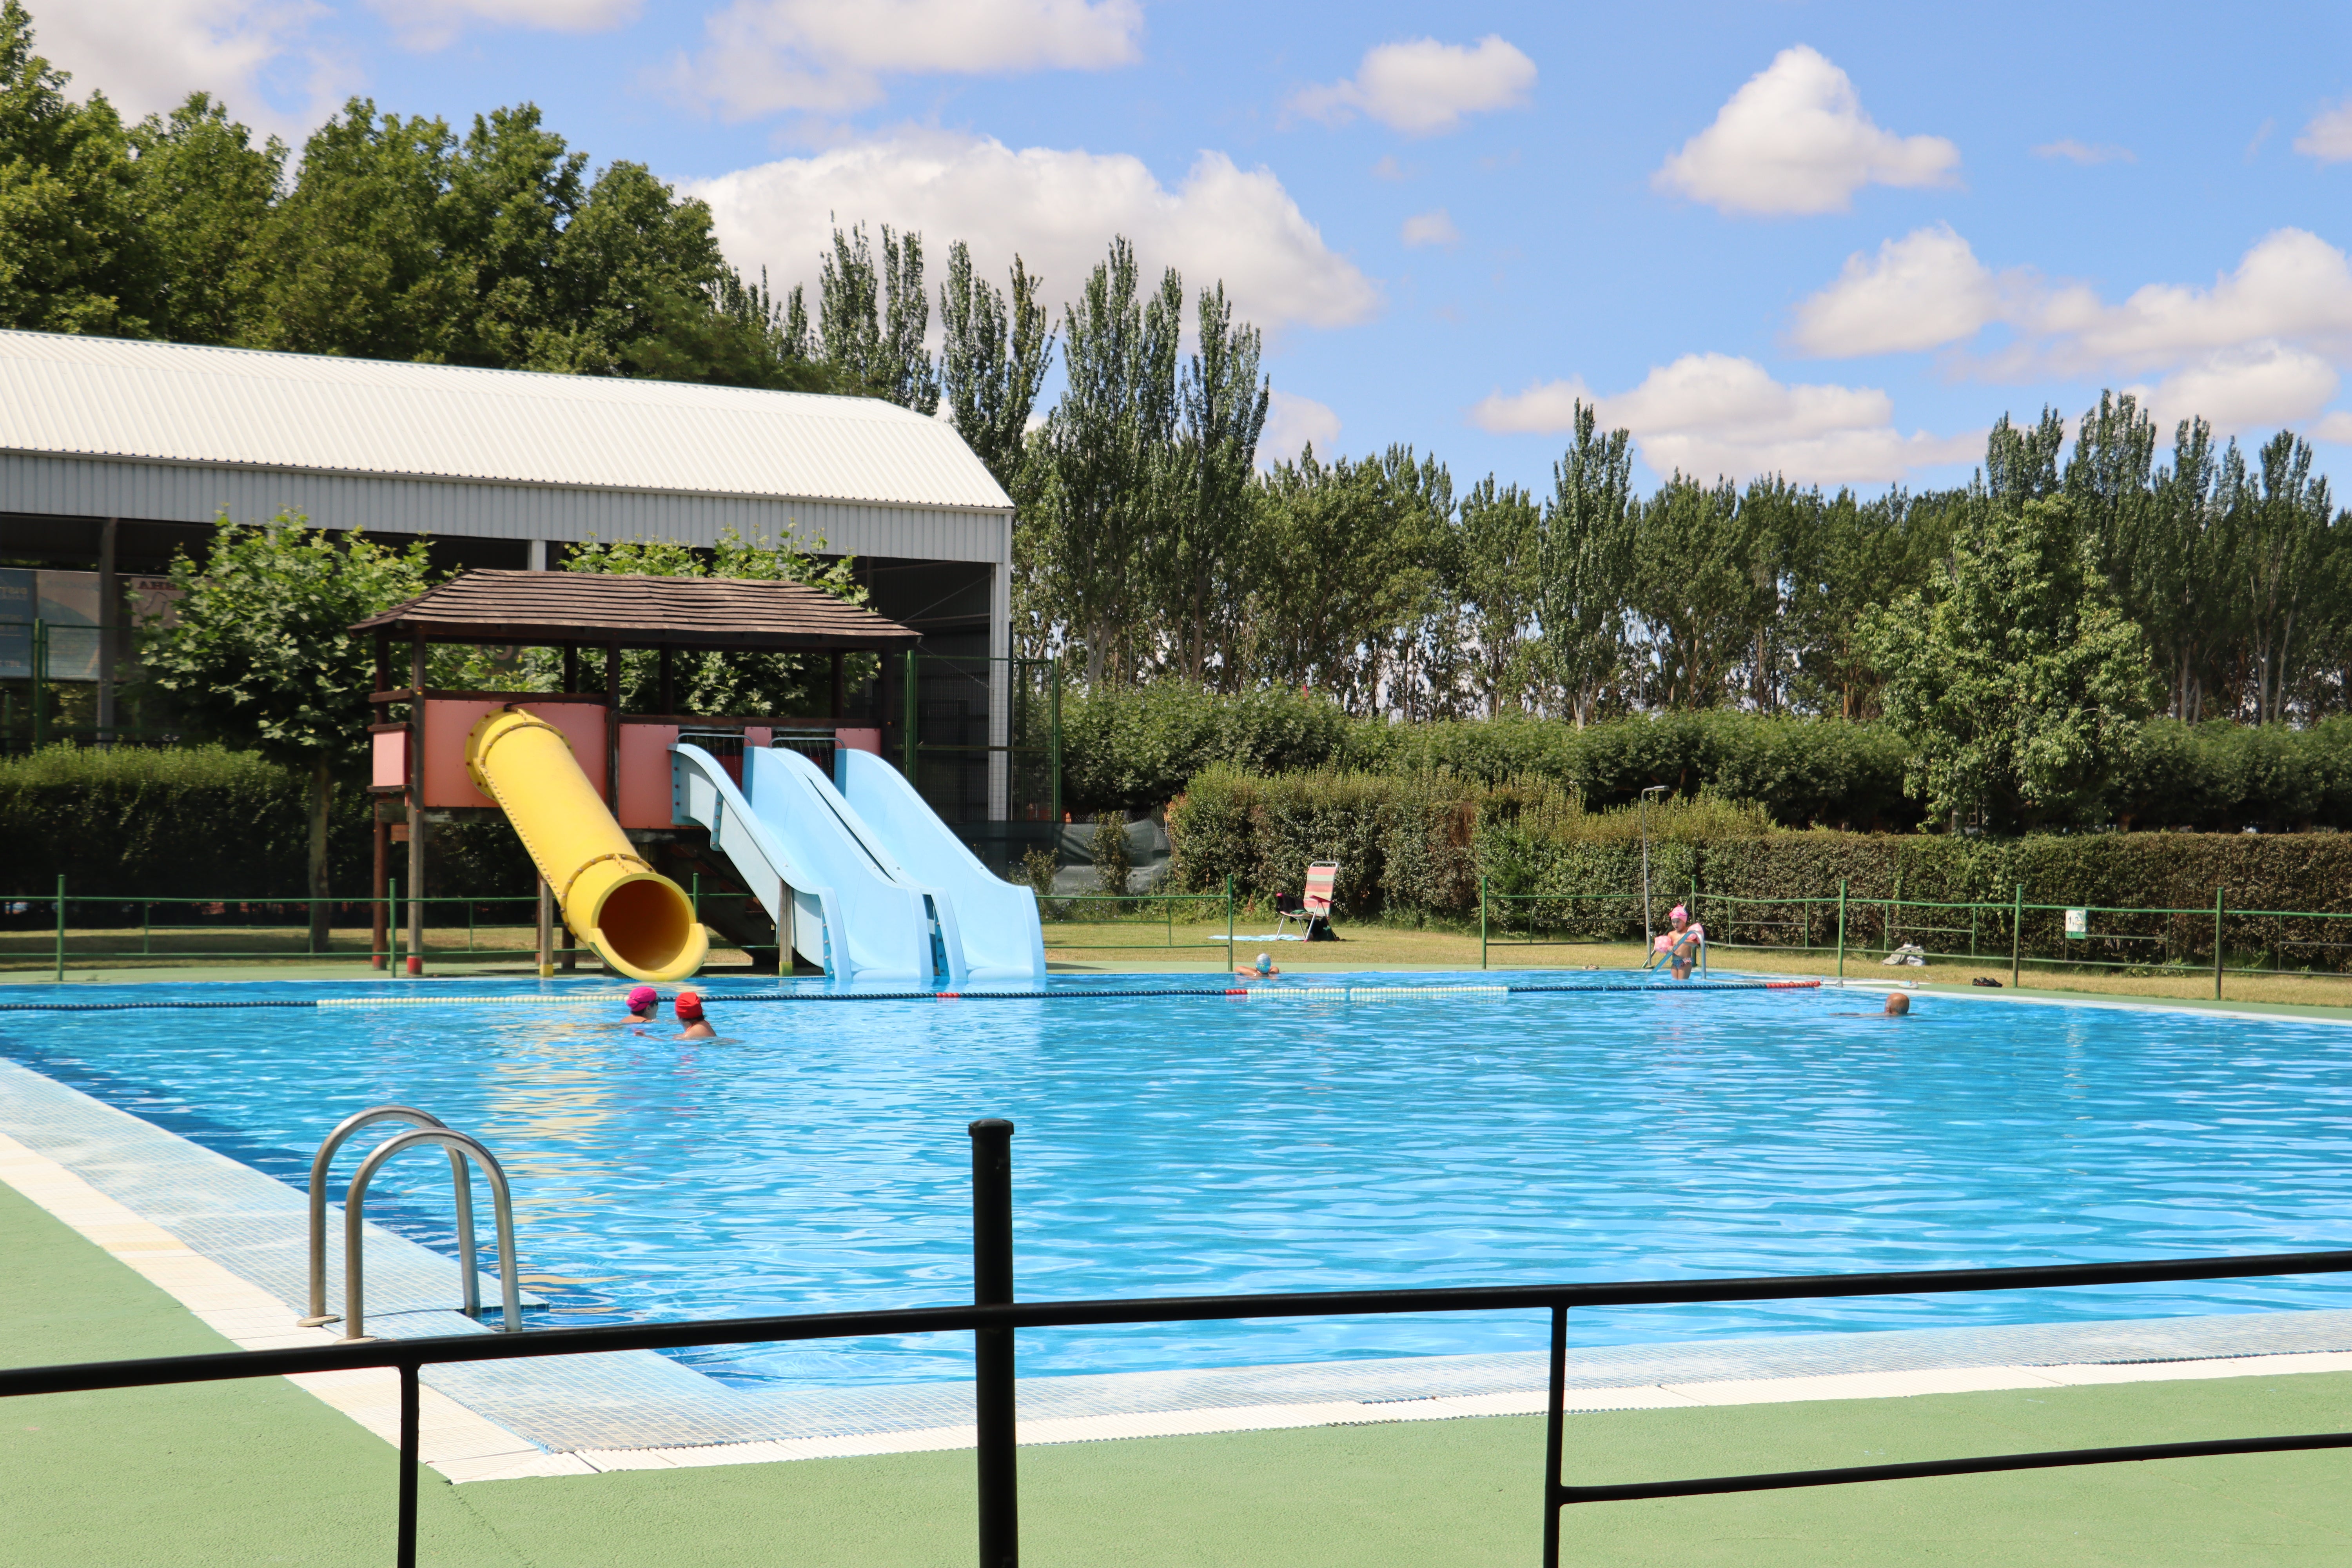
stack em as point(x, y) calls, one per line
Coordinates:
point(814, 1157)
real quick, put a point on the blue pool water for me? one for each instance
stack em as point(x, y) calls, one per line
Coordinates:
point(814, 1157)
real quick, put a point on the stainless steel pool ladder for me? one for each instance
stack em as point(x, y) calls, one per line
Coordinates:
point(428, 1129)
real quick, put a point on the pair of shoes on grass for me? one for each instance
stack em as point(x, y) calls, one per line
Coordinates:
point(1910, 952)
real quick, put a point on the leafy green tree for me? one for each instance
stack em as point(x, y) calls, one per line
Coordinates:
point(1585, 567)
point(257, 650)
point(872, 321)
point(1105, 455)
point(2019, 685)
point(1494, 582)
point(204, 193)
point(994, 359)
point(74, 256)
point(1223, 402)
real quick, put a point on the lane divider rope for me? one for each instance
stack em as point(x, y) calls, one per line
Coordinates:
point(1325, 994)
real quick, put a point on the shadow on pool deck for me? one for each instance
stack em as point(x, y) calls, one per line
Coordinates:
point(261, 1473)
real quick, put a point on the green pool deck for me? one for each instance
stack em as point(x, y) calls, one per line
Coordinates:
point(261, 1472)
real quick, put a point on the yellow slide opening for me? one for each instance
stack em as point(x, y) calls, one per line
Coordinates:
point(638, 920)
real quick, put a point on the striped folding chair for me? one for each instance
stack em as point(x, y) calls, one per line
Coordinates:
point(1314, 907)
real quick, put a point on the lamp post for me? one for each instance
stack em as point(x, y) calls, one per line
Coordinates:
point(1654, 789)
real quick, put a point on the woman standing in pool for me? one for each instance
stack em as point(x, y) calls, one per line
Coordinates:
point(1680, 946)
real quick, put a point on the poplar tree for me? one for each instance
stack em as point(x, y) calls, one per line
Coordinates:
point(997, 349)
point(1584, 566)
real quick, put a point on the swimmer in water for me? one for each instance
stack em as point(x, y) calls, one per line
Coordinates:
point(689, 1013)
point(1263, 969)
point(644, 1002)
point(1898, 1005)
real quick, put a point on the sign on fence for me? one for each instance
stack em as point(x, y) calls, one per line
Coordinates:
point(2078, 924)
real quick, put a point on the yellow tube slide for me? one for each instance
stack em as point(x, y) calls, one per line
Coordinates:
point(639, 921)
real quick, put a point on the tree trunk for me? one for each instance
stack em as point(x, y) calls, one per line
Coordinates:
point(322, 800)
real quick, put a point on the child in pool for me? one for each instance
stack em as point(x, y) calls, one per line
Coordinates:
point(1679, 947)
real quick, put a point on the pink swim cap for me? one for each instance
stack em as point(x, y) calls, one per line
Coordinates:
point(643, 997)
point(1678, 913)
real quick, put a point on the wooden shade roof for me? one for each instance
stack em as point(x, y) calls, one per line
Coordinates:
point(599, 609)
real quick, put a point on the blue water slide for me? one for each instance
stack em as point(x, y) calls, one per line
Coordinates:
point(1002, 939)
point(811, 869)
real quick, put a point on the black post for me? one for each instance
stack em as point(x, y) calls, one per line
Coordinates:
point(1555, 1437)
point(992, 1271)
point(404, 1549)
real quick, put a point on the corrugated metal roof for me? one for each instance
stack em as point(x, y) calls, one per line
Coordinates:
point(496, 607)
point(107, 397)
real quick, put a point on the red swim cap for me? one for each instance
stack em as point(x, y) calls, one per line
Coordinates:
point(689, 1006)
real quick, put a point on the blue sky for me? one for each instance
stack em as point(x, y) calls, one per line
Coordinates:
point(1833, 240)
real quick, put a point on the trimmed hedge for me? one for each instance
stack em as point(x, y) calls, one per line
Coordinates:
point(1412, 849)
point(1136, 749)
point(204, 822)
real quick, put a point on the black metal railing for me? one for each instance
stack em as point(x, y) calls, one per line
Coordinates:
point(994, 1316)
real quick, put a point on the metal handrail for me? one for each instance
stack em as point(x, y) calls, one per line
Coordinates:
point(502, 1209)
point(318, 1316)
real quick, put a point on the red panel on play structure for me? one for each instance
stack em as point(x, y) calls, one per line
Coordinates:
point(645, 774)
point(449, 719)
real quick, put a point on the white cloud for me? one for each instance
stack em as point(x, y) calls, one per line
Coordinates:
point(1291, 422)
point(1433, 228)
point(1059, 209)
point(1713, 415)
point(147, 55)
point(2260, 387)
point(1422, 87)
point(1921, 291)
point(2085, 153)
point(2328, 137)
point(2261, 344)
point(1794, 138)
point(2336, 428)
point(2292, 286)
point(434, 23)
point(828, 56)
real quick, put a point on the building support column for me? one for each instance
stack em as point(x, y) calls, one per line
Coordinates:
point(109, 626)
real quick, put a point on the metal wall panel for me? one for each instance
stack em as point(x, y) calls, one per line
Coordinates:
point(188, 492)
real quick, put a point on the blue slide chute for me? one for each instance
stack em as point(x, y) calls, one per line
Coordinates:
point(1002, 939)
point(814, 869)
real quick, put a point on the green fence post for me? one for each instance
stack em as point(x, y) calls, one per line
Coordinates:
point(1229, 919)
point(1840, 928)
point(2016, 935)
point(2217, 943)
point(61, 924)
point(1482, 922)
point(146, 931)
point(392, 914)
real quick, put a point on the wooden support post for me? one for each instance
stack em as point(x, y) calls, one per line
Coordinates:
point(612, 725)
point(667, 701)
point(570, 666)
point(379, 916)
point(840, 686)
point(546, 929)
point(416, 804)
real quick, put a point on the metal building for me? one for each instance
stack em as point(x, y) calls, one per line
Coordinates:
point(115, 454)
